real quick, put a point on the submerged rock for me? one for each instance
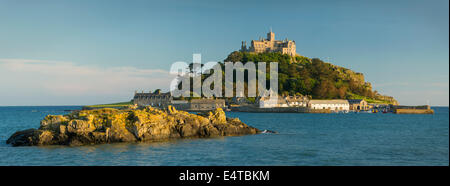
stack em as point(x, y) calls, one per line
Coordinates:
point(130, 125)
point(269, 132)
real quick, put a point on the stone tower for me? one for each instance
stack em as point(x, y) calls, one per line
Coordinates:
point(244, 46)
point(271, 36)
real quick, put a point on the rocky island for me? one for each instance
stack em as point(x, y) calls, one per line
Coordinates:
point(146, 124)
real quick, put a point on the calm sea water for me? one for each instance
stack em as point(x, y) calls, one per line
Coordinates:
point(303, 139)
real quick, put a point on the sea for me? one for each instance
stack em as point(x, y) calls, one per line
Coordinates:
point(302, 139)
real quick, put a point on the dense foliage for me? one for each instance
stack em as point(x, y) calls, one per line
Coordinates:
point(310, 76)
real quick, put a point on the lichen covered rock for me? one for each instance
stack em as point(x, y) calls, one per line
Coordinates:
point(129, 125)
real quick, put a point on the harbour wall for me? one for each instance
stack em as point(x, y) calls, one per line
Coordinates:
point(279, 110)
point(421, 109)
point(414, 111)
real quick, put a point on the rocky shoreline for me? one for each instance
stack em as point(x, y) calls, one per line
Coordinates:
point(146, 124)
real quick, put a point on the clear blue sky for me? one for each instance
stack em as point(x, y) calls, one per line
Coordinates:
point(401, 46)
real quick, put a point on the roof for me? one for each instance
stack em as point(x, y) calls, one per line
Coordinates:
point(355, 101)
point(329, 101)
point(296, 98)
point(268, 98)
point(165, 95)
point(275, 41)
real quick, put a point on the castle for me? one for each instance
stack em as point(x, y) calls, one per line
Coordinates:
point(270, 45)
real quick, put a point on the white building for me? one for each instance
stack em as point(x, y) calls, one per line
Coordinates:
point(296, 101)
point(288, 101)
point(333, 104)
point(266, 102)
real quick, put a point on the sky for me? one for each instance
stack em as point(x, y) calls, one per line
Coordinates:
point(78, 52)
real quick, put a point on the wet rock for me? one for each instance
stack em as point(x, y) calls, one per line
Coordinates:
point(31, 137)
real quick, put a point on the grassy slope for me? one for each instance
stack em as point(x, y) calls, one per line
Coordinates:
point(369, 100)
point(120, 104)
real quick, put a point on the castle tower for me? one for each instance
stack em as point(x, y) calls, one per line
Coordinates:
point(271, 36)
point(244, 46)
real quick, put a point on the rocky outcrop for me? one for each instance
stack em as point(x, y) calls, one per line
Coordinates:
point(129, 125)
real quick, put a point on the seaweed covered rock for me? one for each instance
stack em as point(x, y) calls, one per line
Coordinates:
point(129, 125)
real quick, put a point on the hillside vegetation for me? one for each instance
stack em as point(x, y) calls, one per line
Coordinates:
point(320, 80)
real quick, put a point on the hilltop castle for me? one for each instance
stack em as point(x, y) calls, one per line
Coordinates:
point(270, 45)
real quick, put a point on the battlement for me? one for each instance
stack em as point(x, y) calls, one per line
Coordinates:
point(270, 45)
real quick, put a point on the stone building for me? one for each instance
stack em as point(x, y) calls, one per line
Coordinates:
point(270, 45)
point(287, 101)
point(358, 104)
point(297, 101)
point(206, 104)
point(266, 102)
point(162, 100)
point(332, 104)
point(180, 104)
point(198, 104)
point(156, 99)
